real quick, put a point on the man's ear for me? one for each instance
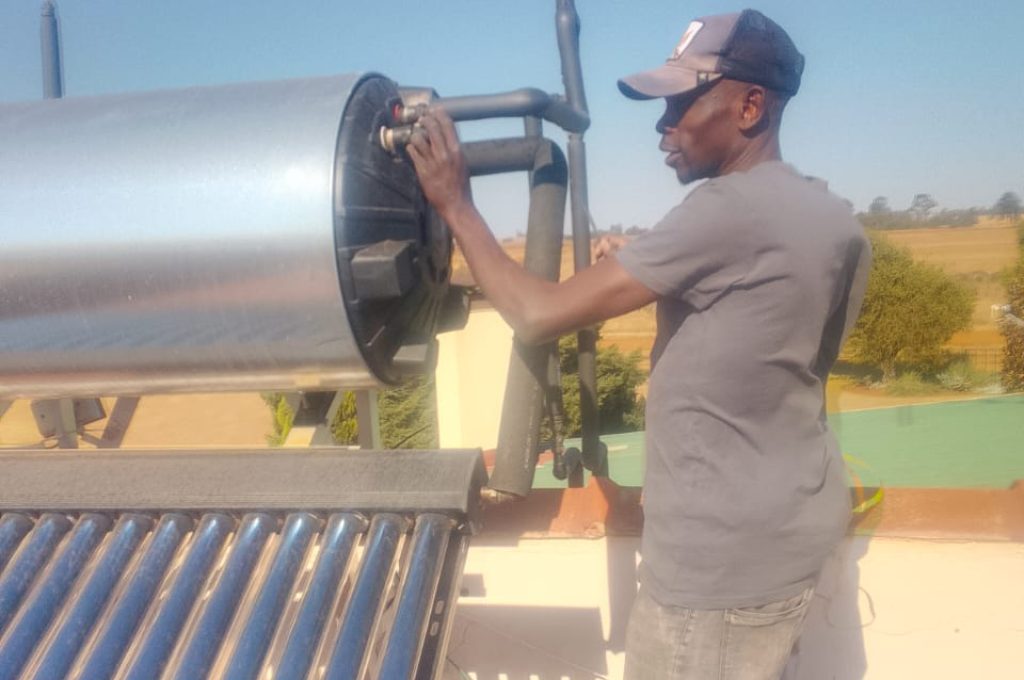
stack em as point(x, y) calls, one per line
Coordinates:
point(753, 113)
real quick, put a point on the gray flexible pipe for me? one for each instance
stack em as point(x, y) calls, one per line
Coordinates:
point(522, 409)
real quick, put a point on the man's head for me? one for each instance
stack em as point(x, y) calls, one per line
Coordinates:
point(725, 87)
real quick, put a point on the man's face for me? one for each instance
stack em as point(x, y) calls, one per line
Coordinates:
point(697, 132)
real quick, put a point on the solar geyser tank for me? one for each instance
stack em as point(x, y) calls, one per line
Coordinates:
point(238, 237)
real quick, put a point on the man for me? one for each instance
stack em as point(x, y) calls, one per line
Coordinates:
point(758, 276)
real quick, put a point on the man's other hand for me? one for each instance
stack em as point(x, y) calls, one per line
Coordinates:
point(437, 156)
point(608, 245)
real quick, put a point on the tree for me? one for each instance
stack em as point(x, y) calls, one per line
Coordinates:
point(1008, 205)
point(618, 377)
point(911, 309)
point(922, 205)
point(1013, 353)
point(879, 206)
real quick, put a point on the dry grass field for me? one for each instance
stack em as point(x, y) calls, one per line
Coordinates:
point(977, 255)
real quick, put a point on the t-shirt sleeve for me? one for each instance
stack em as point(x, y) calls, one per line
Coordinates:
point(698, 251)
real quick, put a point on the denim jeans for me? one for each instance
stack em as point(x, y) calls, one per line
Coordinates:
point(754, 643)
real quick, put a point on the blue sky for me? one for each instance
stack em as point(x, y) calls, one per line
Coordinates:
point(898, 97)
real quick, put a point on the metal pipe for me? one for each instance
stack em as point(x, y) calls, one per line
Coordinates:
point(567, 27)
point(33, 556)
point(48, 597)
point(348, 658)
point(123, 621)
point(13, 528)
point(586, 338)
point(335, 554)
point(49, 40)
point(76, 626)
point(206, 639)
point(405, 643)
point(162, 636)
point(254, 641)
point(567, 23)
point(522, 406)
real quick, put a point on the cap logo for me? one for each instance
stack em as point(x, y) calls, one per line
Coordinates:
point(691, 32)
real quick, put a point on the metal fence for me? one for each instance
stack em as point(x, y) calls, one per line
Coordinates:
point(987, 359)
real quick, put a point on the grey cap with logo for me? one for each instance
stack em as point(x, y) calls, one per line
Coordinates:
point(745, 46)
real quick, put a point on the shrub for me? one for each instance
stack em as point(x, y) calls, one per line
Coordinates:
point(911, 309)
point(1013, 357)
point(960, 376)
point(909, 384)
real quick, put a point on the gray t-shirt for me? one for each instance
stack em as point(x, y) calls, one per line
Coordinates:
point(760, 276)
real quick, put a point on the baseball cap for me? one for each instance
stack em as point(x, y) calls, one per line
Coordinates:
point(745, 46)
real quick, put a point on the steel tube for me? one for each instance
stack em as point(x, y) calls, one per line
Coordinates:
point(567, 23)
point(125, 539)
point(567, 26)
point(21, 573)
point(586, 338)
point(48, 597)
point(335, 553)
point(429, 544)
point(123, 621)
point(162, 636)
point(206, 639)
point(49, 41)
point(363, 610)
point(13, 528)
point(254, 641)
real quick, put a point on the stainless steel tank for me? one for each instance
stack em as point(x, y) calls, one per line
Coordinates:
point(248, 236)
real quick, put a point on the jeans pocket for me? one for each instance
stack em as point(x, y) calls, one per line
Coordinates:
point(774, 612)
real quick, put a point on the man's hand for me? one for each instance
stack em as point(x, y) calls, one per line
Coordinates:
point(437, 157)
point(607, 245)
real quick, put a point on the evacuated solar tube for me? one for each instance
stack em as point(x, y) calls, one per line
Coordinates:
point(239, 237)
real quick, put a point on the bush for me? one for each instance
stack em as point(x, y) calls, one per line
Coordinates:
point(1013, 357)
point(960, 376)
point(911, 309)
point(618, 377)
point(407, 412)
point(909, 384)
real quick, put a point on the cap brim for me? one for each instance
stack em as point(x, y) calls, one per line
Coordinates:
point(665, 81)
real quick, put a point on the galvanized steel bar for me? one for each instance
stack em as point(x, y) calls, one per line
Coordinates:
point(348, 657)
point(33, 557)
point(49, 41)
point(429, 543)
point(48, 597)
point(122, 623)
point(335, 553)
point(162, 636)
point(207, 638)
point(248, 655)
point(87, 607)
point(13, 528)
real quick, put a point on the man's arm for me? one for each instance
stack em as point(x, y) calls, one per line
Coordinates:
point(537, 310)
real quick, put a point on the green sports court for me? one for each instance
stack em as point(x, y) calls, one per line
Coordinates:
point(975, 442)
